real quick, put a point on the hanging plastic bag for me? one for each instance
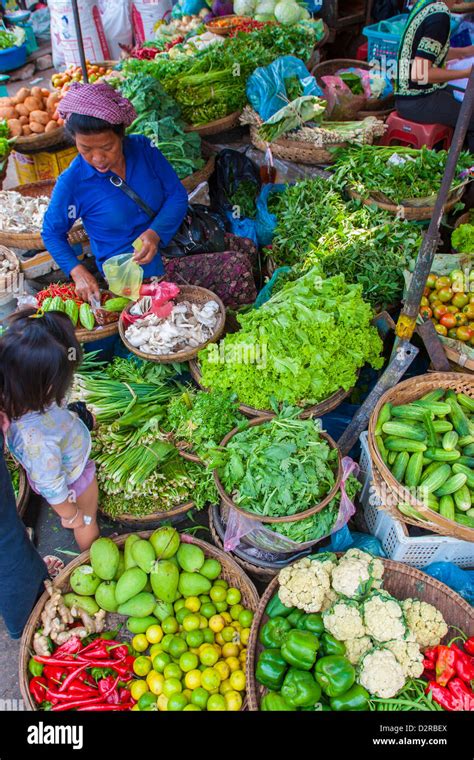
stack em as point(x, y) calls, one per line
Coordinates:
point(342, 103)
point(239, 527)
point(271, 87)
point(345, 539)
point(265, 220)
point(461, 581)
point(124, 276)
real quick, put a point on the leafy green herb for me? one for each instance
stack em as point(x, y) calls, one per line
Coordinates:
point(462, 238)
point(244, 197)
point(203, 419)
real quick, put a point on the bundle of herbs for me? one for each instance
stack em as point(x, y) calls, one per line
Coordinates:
point(182, 149)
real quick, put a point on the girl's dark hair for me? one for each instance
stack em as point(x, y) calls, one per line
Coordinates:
point(38, 358)
point(90, 125)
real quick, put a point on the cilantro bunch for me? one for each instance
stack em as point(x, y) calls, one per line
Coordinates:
point(203, 419)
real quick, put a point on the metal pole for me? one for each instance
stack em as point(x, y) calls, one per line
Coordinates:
point(80, 42)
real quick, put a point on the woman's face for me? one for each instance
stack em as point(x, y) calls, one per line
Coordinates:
point(102, 150)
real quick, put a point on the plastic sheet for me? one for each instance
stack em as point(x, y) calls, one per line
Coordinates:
point(461, 581)
point(265, 220)
point(267, 87)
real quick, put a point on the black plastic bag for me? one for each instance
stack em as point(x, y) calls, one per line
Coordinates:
point(232, 168)
point(201, 231)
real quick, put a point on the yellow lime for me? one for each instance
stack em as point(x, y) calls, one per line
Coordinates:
point(230, 650)
point(209, 655)
point(226, 616)
point(233, 701)
point(188, 694)
point(223, 669)
point(155, 682)
point(171, 686)
point(135, 708)
point(140, 642)
point(192, 708)
point(218, 594)
point(233, 596)
point(244, 636)
point(191, 622)
point(216, 623)
point(192, 679)
point(138, 688)
point(154, 634)
point(219, 640)
point(142, 666)
point(203, 622)
point(192, 604)
point(225, 687)
point(162, 703)
point(243, 656)
point(210, 679)
point(172, 670)
point(216, 703)
point(155, 649)
point(237, 680)
point(182, 614)
point(204, 599)
point(233, 663)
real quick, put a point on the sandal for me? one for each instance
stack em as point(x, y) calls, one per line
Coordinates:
point(54, 565)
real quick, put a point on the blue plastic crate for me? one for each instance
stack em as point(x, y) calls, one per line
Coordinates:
point(384, 38)
point(13, 58)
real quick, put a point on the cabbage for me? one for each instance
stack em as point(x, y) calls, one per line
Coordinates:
point(287, 12)
point(265, 7)
point(305, 14)
point(244, 7)
point(264, 17)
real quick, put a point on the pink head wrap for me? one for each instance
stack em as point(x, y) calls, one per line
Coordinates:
point(99, 100)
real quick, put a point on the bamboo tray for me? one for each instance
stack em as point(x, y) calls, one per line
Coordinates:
point(231, 572)
point(294, 150)
point(402, 582)
point(202, 175)
point(136, 521)
point(194, 294)
point(389, 490)
point(217, 126)
point(411, 211)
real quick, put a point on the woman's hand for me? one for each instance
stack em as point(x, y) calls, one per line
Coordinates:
point(86, 284)
point(150, 241)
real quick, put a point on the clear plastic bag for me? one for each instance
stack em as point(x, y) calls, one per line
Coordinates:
point(124, 276)
point(238, 526)
point(267, 88)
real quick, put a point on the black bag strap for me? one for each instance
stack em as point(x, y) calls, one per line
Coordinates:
point(122, 185)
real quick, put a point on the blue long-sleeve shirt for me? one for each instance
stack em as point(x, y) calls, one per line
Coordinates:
point(111, 219)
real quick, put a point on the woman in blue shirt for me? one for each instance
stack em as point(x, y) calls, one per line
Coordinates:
point(96, 115)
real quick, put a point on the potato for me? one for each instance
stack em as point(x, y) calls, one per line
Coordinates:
point(45, 92)
point(26, 130)
point(40, 116)
point(7, 112)
point(51, 125)
point(21, 110)
point(22, 94)
point(36, 92)
point(6, 102)
point(52, 102)
point(36, 127)
point(15, 127)
point(24, 120)
point(33, 104)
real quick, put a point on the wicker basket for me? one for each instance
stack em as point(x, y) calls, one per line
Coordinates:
point(385, 483)
point(98, 333)
point(194, 294)
point(10, 280)
point(293, 150)
point(371, 105)
point(24, 492)
point(412, 211)
point(146, 521)
point(191, 182)
point(231, 572)
point(317, 410)
point(34, 143)
point(33, 240)
point(3, 171)
point(286, 518)
point(218, 125)
point(399, 580)
point(225, 31)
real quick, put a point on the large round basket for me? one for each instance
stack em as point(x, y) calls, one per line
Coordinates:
point(24, 492)
point(317, 410)
point(217, 126)
point(174, 515)
point(233, 19)
point(194, 294)
point(231, 572)
point(402, 582)
point(34, 143)
point(9, 281)
point(191, 182)
point(389, 490)
point(371, 105)
point(286, 518)
point(415, 209)
point(33, 240)
point(294, 150)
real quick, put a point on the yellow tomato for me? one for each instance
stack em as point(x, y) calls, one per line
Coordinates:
point(154, 634)
point(140, 642)
point(162, 703)
point(223, 669)
point(233, 663)
point(233, 701)
point(192, 604)
point(237, 680)
point(138, 688)
point(155, 682)
point(192, 680)
point(230, 650)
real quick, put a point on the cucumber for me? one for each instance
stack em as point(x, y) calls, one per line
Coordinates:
point(450, 440)
point(436, 395)
point(446, 507)
point(466, 441)
point(463, 519)
point(401, 463)
point(430, 430)
point(409, 412)
point(466, 461)
point(414, 469)
point(466, 401)
point(468, 451)
point(458, 418)
point(392, 455)
point(442, 426)
point(432, 467)
point(384, 416)
point(432, 502)
point(451, 485)
point(86, 317)
point(438, 408)
point(470, 512)
point(392, 443)
point(409, 511)
point(381, 447)
point(401, 430)
point(462, 499)
point(440, 455)
point(457, 467)
point(436, 479)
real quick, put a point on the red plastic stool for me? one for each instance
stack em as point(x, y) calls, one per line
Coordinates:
point(403, 132)
point(362, 52)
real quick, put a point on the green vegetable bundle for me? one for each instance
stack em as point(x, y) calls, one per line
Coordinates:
point(203, 419)
point(182, 149)
point(462, 238)
point(292, 116)
point(312, 338)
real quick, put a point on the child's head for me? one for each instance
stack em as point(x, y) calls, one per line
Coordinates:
point(38, 358)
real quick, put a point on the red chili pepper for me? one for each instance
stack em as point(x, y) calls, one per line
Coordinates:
point(71, 646)
point(38, 689)
point(464, 664)
point(462, 693)
point(445, 665)
point(66, 705)
point(125, 695)
point(103, 707)
point(442, 696)
point(71, 677)
point(53, 661)
point(93, 663)
point(54, 672)
point(79, 688)
point(431, 654)
point(469, 645)
point(119, 652)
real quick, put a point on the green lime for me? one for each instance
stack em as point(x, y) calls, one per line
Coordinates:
point(235, 611)
point(170, 625)
point(217, 594)
point(177, 702)
point(211, 569)
point(172, 670)
point(208, 635)
point(188, 661)
point(245, 618)
point(182, 614)
point(199, 697)
point(177, 647)
point(204, 599)
point(208, 610)
point(191, 622)
point(221, 606)
point(172, 686)
point(233, 596)
point(191, 708)
point(194, 639)
point(221, 582)
point(161, 661)
point(178, 605)
point(166, 641)
point(216, 703)
point(147, 702)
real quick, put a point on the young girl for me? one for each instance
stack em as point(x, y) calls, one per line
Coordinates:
point(38, 358)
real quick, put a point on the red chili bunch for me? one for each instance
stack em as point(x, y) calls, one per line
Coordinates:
point(71, 678)
point(450, 671)
point(249, 25)
point(65, 292)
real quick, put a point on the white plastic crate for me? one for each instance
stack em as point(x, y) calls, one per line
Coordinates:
point(398, 545)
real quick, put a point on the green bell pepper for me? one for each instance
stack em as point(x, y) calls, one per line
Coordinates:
point(296, 617)
point(276, 608)
point(357, 698)
point(299, 649)
point(274, 702)
point(35, 668)
point(312, 622)
point(300, 689)
point(335, 675)
point(330, 645)
point(273, 633)
point(271, 669)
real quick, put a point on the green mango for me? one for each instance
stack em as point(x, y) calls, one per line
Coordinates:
point(130, 584)
point(84, 581)
point(121, 567)
point(163, 610)
point(86, 603)
point(144, 555)
point(211, 569)
point(140, 606)
point(105, 596)
point(105, 558)
point(193, 584)
point(140, 625)
point(131, 540)
point(165, 542)
point(164, 579)
point(190, 557)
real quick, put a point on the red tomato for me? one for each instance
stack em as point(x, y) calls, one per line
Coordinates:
point(439, 311)
point(426, 312)
point(431, 281)
point(464, 333)
point(441, 330)
point(448, 320)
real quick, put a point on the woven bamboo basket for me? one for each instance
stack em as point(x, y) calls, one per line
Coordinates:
point(218, 125)
point(98, 333)
point(34, 143)
point(10, 280)
point(3, 171)
point(194, 294)
point(211, 26)
point(402, 582)
point(317, 410)
point(33, 240)
point(293, 150)
point(24, 492)
point(231, 572)
point(145, 521)
point(412, 211)
point(286, 518)
point(389, 490)
point(191, 182)
point(371, 105)
point(187, 454)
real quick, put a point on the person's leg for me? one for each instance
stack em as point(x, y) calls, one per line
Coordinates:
point(88, 502)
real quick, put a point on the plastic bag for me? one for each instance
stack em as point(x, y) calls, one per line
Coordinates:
point(239, 527)
point(245, 227)
point(344, 539)
point(461, 581)
point(156, 299)
point(40, 20)
point(266, 292)
point(232, 167)
point(270, 88)
point(116, 20)
point(201, 231)
point(342, 103)
point(124, 276)
point(265, 220)
point(63, 32)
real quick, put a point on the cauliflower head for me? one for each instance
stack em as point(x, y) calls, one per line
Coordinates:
point(425, 622)
point(383, 617)
point(408, 655)
point(304, 585)
point(344, 620)
point(329, 600)
point(375, 563)
point(328, 560)
point(356, 648)
point(351, 578)
point(381, 674)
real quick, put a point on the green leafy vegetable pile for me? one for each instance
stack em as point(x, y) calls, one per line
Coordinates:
point(203, 419)
point(462, 238)
point(244, 198)
point(312, 337)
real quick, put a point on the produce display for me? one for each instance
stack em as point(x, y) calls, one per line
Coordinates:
point(31, 112)
point(64, 298)
point(21, 213)
point(13, 37)
point(5, 143)
point(303, 330)
point(334, 639)
point(449, 302)
point(462, 238)
point(62, 81)
point(282, 11)
point(428, 445)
